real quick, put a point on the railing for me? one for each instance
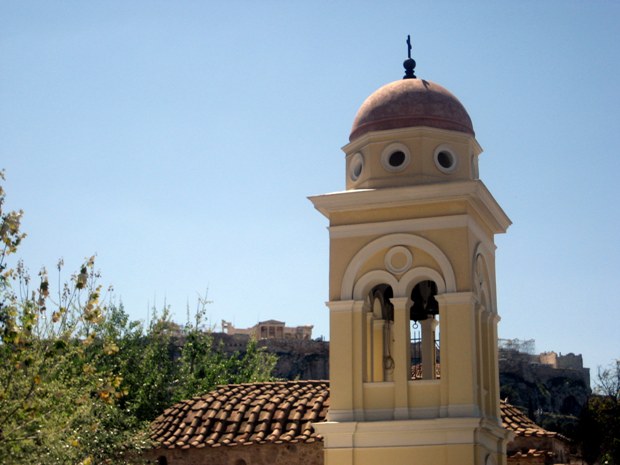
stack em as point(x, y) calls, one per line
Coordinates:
point(416, 352)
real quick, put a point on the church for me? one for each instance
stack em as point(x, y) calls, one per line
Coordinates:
point(413, 314)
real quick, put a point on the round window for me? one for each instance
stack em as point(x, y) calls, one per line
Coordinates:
point(356, 166)
point(395, 157)
point(445, 160)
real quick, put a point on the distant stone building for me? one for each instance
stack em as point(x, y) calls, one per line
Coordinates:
point(543, 384)
point(270, 329)
point(296, 358)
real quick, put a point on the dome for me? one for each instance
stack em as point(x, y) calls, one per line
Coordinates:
point(408, 103)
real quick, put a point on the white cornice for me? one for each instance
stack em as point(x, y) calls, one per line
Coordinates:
point(456, 298)
point(341, 305)
point(475, 192)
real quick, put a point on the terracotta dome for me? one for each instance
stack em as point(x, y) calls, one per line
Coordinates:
point(411, 102)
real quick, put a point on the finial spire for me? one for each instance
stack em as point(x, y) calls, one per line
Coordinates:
point(409, 63)
point(408, 46)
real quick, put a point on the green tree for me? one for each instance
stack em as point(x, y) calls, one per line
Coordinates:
point(165, 363)
point(80, 381)
point(57, 396)
point(203, 364)
point(599, 423)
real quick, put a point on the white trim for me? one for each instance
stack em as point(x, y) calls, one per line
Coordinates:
point(487, 258)
point(363, 285)
point(388, 151)
point(398, 250)
point(450, 151)
point(348, 280)
point(456, 298)
point(416, 275)
point(357, 159)
point(338, 306)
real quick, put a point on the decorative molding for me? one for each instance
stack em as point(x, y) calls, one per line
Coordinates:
point(485, 284)
point(475, 192)
point(348, 281)
point(363, 285)
point(395, 252)
point(411, 132)
point(420, 273)
point(355, 166)
point(389, 150)
point(400, 433)
point(400, 287)
point(337, 306)
point(456, 298)
point(447, 148)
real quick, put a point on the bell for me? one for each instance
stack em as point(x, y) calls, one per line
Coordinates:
point(417, 312)
point(424, 302)
point(432, 306)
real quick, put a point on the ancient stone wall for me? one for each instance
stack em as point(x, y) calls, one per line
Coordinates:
point(255, 454)
point(297, 358)
point(550, 393)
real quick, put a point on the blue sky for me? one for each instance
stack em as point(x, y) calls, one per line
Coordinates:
point(179, 140)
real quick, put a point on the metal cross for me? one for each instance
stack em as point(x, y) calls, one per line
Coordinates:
point(408, 46)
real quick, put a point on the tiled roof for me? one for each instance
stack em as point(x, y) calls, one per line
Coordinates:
point(535, 453)
point(242, 414)
point(277, 412)
point(515, 420)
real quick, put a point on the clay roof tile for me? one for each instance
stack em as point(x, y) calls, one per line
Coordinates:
point(275, 412)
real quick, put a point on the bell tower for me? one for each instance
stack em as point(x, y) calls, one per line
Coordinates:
point(413, 313)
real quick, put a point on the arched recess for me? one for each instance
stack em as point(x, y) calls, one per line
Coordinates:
point(401, 287)
point(480, 268)
point(379, 321)
point(349, 286)
point(370, 280)
point(482, 284)
point(378, 329)
point(416, 275)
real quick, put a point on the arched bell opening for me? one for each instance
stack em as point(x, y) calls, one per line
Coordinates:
point(379, 338)
point(424, 319)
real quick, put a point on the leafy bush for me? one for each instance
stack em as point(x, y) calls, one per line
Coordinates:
point(79, 381)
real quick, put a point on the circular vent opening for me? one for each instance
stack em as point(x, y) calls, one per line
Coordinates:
point(445, 160)
point(397, 159)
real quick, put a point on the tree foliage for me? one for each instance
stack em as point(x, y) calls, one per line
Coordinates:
point(80, 381)
point(599, 425)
